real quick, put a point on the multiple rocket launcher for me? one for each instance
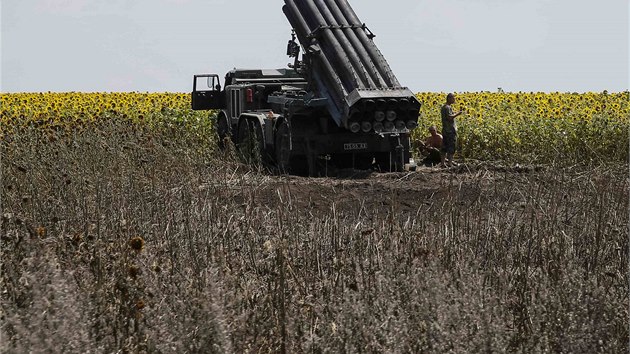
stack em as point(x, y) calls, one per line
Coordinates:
point(345, 66)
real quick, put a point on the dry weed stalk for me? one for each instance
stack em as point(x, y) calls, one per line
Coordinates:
point(232, 260)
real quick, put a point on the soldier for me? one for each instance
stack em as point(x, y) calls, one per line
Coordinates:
point(431, 147)
point(449, 130)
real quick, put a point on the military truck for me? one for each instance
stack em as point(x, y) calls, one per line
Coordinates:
point(337, 103)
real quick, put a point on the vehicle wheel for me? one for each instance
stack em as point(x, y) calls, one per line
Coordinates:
point(250, 144)
point(286, 161)
point(283, 148)
point(386, 162)
point(223, 131)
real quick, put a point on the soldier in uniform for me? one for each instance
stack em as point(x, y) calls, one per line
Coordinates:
point(449, 131)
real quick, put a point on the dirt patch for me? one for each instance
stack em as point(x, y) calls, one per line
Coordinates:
point(406, 192)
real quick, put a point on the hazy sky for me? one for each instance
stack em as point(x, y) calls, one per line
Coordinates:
point(432, 45)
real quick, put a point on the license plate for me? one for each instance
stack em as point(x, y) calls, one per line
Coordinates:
point(355, 146)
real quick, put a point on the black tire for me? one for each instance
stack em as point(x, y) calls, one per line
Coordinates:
point(250, 144)
point(387, 162)
point(283, 148)
point(224, 131)
point(286, 161)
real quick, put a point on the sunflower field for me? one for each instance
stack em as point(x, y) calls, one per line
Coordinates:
point(536, 127)
point(520, 127)
point(59, 115)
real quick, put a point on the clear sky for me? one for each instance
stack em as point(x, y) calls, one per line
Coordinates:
point(432, 45)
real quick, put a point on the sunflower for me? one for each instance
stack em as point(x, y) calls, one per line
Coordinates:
point(137, 243)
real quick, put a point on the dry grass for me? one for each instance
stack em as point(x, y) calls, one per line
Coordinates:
point(123, 240)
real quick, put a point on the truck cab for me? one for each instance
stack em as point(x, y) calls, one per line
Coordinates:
point(207, 94)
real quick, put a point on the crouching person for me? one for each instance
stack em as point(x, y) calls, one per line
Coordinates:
point(430, 148)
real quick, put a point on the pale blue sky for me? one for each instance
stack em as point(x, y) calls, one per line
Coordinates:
point(432, 45)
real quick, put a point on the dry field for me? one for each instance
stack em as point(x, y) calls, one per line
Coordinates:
point(123, 239)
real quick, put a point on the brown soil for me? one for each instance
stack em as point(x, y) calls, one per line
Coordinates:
point(406, 192)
